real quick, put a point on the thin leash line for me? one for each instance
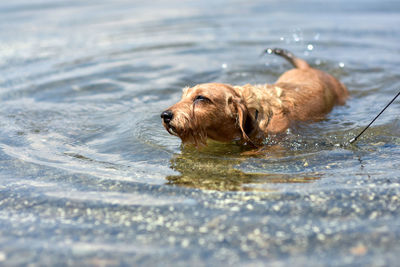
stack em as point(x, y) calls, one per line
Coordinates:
point(355, 138)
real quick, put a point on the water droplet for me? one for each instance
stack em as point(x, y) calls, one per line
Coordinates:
point(310, 47)
point(224, 65)
point(341, 64)
point(316, 37)
point(3, 256)
point(185, 243)
point(282, 38)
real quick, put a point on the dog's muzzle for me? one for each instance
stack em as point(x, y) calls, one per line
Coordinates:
point(167, 116)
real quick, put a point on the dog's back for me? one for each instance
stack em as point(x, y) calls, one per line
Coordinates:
point(312, 91)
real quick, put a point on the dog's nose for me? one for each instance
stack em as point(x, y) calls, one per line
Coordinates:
point(167, 116)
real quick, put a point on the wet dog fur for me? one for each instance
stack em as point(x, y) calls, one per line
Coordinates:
point(250, 113)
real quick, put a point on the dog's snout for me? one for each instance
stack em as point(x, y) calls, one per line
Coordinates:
point(167, 116)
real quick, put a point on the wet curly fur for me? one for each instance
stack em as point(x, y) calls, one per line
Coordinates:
point(250, 113)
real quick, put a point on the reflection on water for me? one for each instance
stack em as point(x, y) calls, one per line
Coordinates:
point(217, 169)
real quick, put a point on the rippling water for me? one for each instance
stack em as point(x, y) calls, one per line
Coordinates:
point(88, 176)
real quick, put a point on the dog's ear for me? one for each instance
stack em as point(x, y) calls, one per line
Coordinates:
point(243, 117)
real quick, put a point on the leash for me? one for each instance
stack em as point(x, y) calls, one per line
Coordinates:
point(353, 140)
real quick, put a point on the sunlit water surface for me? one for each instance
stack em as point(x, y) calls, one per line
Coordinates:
point(88, 175)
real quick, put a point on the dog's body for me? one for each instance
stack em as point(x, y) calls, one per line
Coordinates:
point(250, 113)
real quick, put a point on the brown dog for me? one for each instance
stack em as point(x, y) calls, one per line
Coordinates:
point(250, 113)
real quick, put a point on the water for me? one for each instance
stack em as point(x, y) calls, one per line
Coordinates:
point(88, 175)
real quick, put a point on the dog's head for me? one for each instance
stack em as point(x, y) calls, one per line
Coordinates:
point(211, 110)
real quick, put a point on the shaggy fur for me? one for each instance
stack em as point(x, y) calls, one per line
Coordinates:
point(250, 113)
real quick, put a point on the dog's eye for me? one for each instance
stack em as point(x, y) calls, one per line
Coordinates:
point(201, 98)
